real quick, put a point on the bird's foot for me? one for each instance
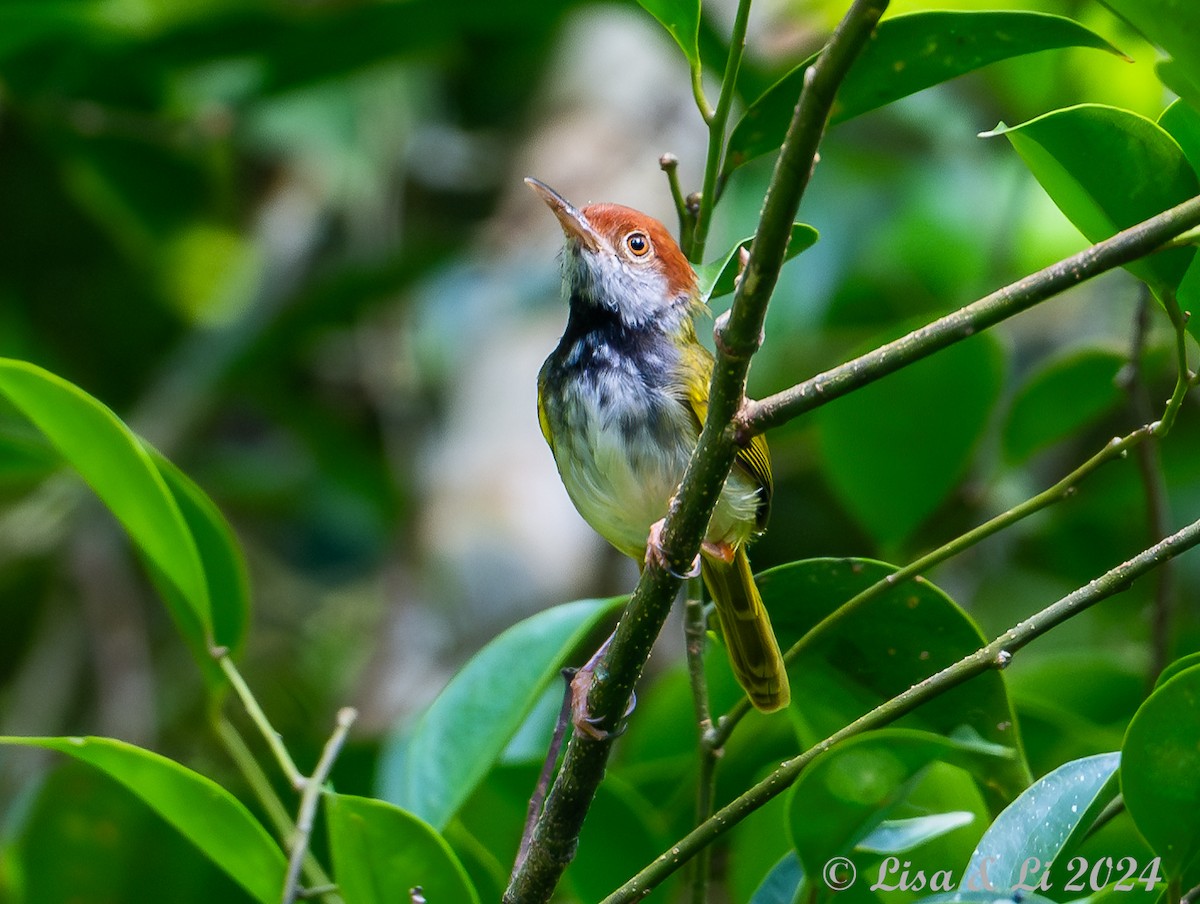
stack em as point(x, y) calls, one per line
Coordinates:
point(654, 553)
point(585, 723)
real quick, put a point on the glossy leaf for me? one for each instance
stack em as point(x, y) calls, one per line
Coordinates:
point(908, 53)
point(1043, 822)
point(380, 852)
point(1061, 398)
point(717, 278)
point(112, 461)
point(849, 790)
point(220, 555)
point(1182, 664)
point(899, 836)
point(1174, 25)
point(682, 19)
point(201, 810)
point(1074, 152)
point(904, 635)
point(1182, 121)
point(86, 838)
point(1160, 770)
point(983, 896)
point(896, 449)
point(1180, 80)
point(434, 766)
point(1073, 704)
point(781, 883)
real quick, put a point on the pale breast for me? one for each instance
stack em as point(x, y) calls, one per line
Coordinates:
point(622, 431)
point(621, 455)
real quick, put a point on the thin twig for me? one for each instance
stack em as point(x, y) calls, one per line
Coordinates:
point(1124, 247)
point(259, 718)
point(543, 783)
point(695, 637)
point(235, 745)
point(1063, 489)
point(669, 164)
point(716, 135)
point(1149, 461)
point(320, 884)
point(311, 795)
point(1184, 378)
point(695, 634)
point(997, 654)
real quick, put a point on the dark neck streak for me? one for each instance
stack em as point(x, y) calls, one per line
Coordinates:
point(597, 338)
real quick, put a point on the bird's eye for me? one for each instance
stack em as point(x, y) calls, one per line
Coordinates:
point(638, 244)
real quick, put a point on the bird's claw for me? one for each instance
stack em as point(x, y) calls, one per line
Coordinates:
point(654, 554)
point(587, 724)
point(579, 683)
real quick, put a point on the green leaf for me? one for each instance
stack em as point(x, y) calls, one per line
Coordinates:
point(908, 53)
point(717, 278)
point(432, 768)
point(1160, 770)
point(896, 449)
point(1182, 664)
point(112, 461)
point(682, 19)
point(1174, 25)
point(983, 896)
point(220, 555)
point(206, 814)
point(849, 790)
point(1182, 120)
point(1072, 704)
point(380, 852)
point(1043, 822)
point(1179, 80)
point(899, 836)
point(1183, 123)
point(1074, 152)
point(86, 838)
point(1063, 396)
point(907, 633)
point(781, 883)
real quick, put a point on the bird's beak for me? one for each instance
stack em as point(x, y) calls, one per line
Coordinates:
point(574, 224)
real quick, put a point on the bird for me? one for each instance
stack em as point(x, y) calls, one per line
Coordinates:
point(621, 402)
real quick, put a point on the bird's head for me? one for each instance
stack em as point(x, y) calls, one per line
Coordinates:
point(622, 261)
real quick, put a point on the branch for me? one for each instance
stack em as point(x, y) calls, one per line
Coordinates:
point(309, 799)
point(995, 655)
point(1128, 245)
point(1154, 489)
point(557, 832)
point(716, 135)
point(259, 718)
point(1117, 447)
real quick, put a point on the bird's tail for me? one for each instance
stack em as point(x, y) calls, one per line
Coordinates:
point(753, 650)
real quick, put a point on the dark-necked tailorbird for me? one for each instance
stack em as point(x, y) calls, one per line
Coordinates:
point(621, 401)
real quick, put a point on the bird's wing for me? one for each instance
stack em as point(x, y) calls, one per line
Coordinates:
point(543, 420)
point(755, 458)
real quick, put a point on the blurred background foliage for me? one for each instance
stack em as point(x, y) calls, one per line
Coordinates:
point(288, 243)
